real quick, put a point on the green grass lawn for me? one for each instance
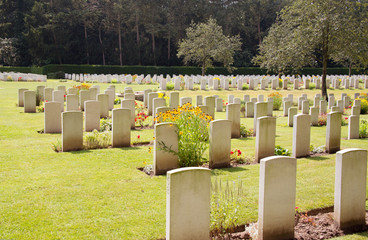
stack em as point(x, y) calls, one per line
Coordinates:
point(100, 194)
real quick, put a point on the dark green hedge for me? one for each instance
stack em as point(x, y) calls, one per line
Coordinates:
point(36, 70)
point(53, 70)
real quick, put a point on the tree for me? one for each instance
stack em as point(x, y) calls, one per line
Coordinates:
point(205, 43)
point(306, 33)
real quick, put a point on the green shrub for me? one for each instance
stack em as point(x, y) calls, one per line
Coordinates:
point(312, 86)
point(225, 204)
point(245, 86)
point(105, 124)
point(193, 135)
point(282, 151)
point(363, 129)
point(322, 119)
point(244, 132)
point(364, 105)
point(170, 86)
point(95, 139)
point(277, 100)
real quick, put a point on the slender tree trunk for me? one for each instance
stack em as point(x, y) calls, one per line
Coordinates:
point(350, 68)
point(203, 67)
point(120, 51)
point(259, 29)
point(138, 39)
point(102, 48)
point(86, 39)
point(324, 71)
point(154, 48)
point(55, 42)
point(168, 50)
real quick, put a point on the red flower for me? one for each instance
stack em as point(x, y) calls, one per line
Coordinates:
point(64, 95)
point(145, 117)
point(46, 101)
point(227, 103)
point(346, 118)
point(135, 103)
point(139, 136)
point(231, 152)
point(349, 106)
point(239, 152)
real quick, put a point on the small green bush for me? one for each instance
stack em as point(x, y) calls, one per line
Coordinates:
point(170, 86)
point(277, 100)
point(245, 86)
point(95, 139)
point(282, 151)
point(363, 129)
point(225, 204)
point(364, 105)
point(312, 86)
point(244, 132)
point(105, 124)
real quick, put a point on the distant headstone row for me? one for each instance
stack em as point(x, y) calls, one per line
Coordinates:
point(18, 77)
point(216, 82)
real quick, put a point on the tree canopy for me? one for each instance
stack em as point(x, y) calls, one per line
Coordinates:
point(127, 32)
point(205, 43)
point(310, 32)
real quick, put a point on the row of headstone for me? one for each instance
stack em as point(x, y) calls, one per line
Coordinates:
point(216, 82)
point(188, 210)
point(72, 127)
point(18, 77)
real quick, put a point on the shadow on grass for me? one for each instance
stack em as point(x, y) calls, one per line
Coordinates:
point(319, 158)
point(245, 138)
point(217, 171)
point(81, 151)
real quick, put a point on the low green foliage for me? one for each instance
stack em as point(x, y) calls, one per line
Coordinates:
point(320, 149)
point(105, 124)
point(170, 86)
point(95, 139)
point(363, 129)
point(226, 200)
point(245, 86)
point(245, 132)
point(193, 134)
point(312, 86)
point(277, 100)
point(56, 146)
point(282, 151)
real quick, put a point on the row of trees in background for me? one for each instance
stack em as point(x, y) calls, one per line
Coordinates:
point(124, 32)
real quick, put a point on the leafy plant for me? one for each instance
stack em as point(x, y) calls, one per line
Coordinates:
point(141, 117)
point(244, 132)
point(170, 86)
point(312, 86)
point(363, 129)
point(277, 100)
point(114, 80)
point(117, 101)
point(322, 119)
point(282, 151)
point(245, 86)
point(320, 149)
point(344, 121)
point(95, 139)
point(225, 204)
point(364, 105)
point(105, 124)
point(193, 134)
point(56, 146)
point(40, 109)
